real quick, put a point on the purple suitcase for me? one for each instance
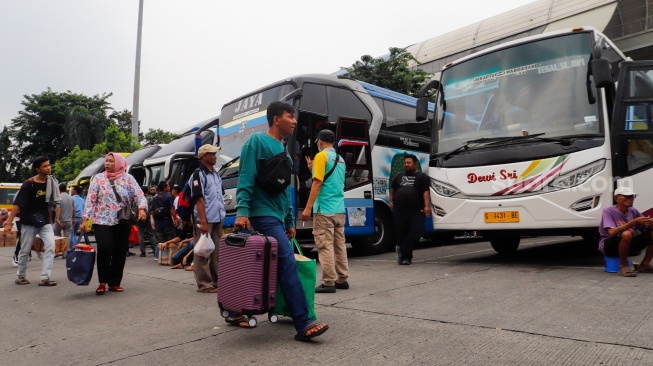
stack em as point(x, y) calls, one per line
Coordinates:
point(247, 275)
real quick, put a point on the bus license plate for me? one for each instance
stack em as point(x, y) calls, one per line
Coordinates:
point(503, 216)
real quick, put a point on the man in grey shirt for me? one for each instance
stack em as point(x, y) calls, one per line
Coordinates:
point(66, 215)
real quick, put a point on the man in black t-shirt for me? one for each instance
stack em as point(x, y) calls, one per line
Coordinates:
point(410, 203)
point(34, 201)
point(165, 215)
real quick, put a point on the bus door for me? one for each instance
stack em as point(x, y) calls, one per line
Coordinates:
point(308, 126)
point(353, 144)
point(632, 132)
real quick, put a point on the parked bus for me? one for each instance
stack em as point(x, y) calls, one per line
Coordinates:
point(7, 193)
point(531, 137)
point(375, 128)
point(176, 161)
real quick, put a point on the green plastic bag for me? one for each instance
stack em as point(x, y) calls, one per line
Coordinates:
point(307, 276)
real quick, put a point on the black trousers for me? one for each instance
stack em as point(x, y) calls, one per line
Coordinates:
point(112, 246)
point(409, 227)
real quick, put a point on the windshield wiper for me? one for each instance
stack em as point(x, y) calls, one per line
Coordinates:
point(565, 141)
point(227, 164)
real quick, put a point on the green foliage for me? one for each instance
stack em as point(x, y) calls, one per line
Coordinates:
point(123, 120)
point(8, 163)
point(68, 167)
point(158, 136)
point(52, 124)
point(391, 73)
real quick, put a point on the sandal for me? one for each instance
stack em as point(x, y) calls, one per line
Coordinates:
point(21, 281)
point(626, 272)
point(47, 282)
point(647, 269)
point(307, 335)
point(116, 289)
point(208, 290)
point(101, 289)
point(239, 321)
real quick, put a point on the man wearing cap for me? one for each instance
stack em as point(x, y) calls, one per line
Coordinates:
point(625, 232)
point(209, 212)
point(327, 201)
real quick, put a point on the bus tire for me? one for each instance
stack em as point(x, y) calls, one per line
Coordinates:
point(382, 239)
point(505, 244)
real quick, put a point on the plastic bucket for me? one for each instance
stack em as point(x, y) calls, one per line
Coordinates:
point(612, 264)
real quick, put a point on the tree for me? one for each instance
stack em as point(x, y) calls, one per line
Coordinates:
point(158, 136)
point(123, 120)
point(84, 127)
point(8, 164)
point(391, 72)
point(68, 167)
point(40, 129)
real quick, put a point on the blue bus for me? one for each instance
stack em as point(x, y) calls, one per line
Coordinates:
point(375, 128)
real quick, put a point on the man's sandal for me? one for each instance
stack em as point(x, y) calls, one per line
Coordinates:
point(47, 282)
point(239, 321)
point(309, 333)
point(21, 281)
point(626, 272)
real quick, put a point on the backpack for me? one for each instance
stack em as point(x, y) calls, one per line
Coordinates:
point(274, 176)
point(186, 201)
point(160, 212)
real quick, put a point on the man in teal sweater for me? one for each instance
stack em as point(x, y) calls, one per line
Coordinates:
point(272, 215)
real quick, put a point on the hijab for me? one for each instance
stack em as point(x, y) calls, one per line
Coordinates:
point(120, 166)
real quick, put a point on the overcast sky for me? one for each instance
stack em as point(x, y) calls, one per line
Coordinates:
point(199, 54)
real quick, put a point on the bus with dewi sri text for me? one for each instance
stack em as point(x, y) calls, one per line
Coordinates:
point(531, 137)
point(374, 127)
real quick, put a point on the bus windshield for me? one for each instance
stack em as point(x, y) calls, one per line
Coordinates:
point(242, 118)
point(532, 88)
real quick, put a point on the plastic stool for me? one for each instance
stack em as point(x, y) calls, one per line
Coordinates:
point(612, 264)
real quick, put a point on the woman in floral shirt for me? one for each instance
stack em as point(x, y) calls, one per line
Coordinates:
point(102, 207)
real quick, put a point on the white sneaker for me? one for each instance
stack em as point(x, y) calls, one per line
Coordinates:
point(14, 260)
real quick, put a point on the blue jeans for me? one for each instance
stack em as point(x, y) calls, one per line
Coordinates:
point(27, 235)
point(181, 253)
point(287, 274)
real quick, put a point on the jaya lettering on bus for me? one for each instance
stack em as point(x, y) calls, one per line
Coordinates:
point(249, 102)
point(503, 175)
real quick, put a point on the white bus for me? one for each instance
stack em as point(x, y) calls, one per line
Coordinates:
point(532, 136)
point(375, 128)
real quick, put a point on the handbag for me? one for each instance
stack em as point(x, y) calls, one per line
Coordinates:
point(79, 263)
point(38, 219)
point(127, 214)
point(306, 268)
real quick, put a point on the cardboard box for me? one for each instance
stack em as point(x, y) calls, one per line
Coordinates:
point(165, 254)
point(60, 244)
point(10, 240)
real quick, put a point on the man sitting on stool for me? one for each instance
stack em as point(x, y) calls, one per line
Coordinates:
point(625, 232)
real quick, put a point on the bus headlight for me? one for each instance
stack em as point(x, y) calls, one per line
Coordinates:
point(443, 189)
point(578, 176)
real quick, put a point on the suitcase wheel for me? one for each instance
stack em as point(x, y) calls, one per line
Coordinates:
point(273, 317)
point(225, 314)
point(252, 322)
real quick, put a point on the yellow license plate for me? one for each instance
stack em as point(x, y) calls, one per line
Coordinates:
point(502, 216)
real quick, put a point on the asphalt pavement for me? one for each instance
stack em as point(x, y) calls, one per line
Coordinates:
point(463, 304)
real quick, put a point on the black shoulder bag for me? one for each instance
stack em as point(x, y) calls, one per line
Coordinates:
point(274, 176)
point(332, 168)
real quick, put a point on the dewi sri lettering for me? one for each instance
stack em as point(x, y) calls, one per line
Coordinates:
point(503, 175)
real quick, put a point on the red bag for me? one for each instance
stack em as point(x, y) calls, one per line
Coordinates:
point(133, 235)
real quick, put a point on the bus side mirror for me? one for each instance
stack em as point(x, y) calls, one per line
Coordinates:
point(601, 73)
point(422, 110)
